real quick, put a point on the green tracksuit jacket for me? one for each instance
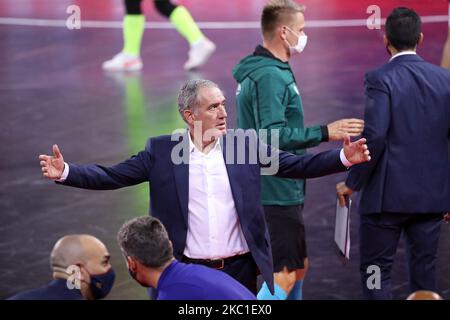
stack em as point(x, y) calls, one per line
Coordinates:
point(267, 97)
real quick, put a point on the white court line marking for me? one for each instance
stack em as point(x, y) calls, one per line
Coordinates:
point(202, 25)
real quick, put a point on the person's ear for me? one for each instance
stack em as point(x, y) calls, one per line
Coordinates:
point(282, 31)
point(189, 116)
point(420, 39)
point(84, 274)
point(131, 263)
point(387, 45)
point(385, 41)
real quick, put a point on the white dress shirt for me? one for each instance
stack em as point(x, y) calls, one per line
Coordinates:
point(214, 230)
point(401, 53)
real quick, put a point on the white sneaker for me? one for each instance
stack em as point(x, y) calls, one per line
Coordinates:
point(199, 53)
point(123, 62)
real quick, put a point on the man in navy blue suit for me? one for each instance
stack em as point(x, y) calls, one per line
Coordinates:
point(149, 256)
point(406, 186)
point(81, 270)
point(205, 183)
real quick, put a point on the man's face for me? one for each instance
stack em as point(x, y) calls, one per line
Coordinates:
point(97, 273)
point(210, 111)
point(297, 24)
point(98, 259)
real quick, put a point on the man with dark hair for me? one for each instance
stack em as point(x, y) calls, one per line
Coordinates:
point(268, 98)
point(406, 187)
point(149, 255)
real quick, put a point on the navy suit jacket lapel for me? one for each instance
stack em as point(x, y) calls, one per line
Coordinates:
point(181, 174)
point(234, 176)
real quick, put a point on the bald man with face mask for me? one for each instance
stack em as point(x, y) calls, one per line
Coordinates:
point(81, 270)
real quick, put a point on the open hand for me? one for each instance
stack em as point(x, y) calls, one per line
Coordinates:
point(356, 152)
point(52, 166)
point(337, 130)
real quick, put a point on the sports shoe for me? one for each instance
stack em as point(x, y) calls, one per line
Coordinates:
point(199, 53)
point(123, 62)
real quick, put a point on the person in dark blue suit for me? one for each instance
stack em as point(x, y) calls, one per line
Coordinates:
point(406, 186)
point(81, 270)
point(149, 256)
point(205, 183)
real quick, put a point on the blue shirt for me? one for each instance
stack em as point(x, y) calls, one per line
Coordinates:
point(181, 281)
point(55, 290)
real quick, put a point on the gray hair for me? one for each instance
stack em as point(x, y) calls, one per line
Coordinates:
point(146, 240)
point(188, 96)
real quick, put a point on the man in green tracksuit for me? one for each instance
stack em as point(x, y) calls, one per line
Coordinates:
point(268, 98)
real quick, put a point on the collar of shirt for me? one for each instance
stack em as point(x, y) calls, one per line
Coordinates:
point(193, 147)
point(402, 53)
point(264, 52)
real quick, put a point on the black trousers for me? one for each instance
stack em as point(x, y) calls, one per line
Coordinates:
point(245, 271)
point(164, 7)
point(379, 234)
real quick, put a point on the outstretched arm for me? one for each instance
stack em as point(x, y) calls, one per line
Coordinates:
point(130, 172)
point(287, 165)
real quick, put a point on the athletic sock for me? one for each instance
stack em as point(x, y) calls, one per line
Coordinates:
point(133, 30)
point(264, 293)
point(185, 25)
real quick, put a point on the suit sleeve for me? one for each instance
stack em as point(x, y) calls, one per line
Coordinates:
point(133, 171)
point(271, 107)
point(287, 165)
point(377, 120)
point(309, 165)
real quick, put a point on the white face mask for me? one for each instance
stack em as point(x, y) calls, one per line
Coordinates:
point(301, 42)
